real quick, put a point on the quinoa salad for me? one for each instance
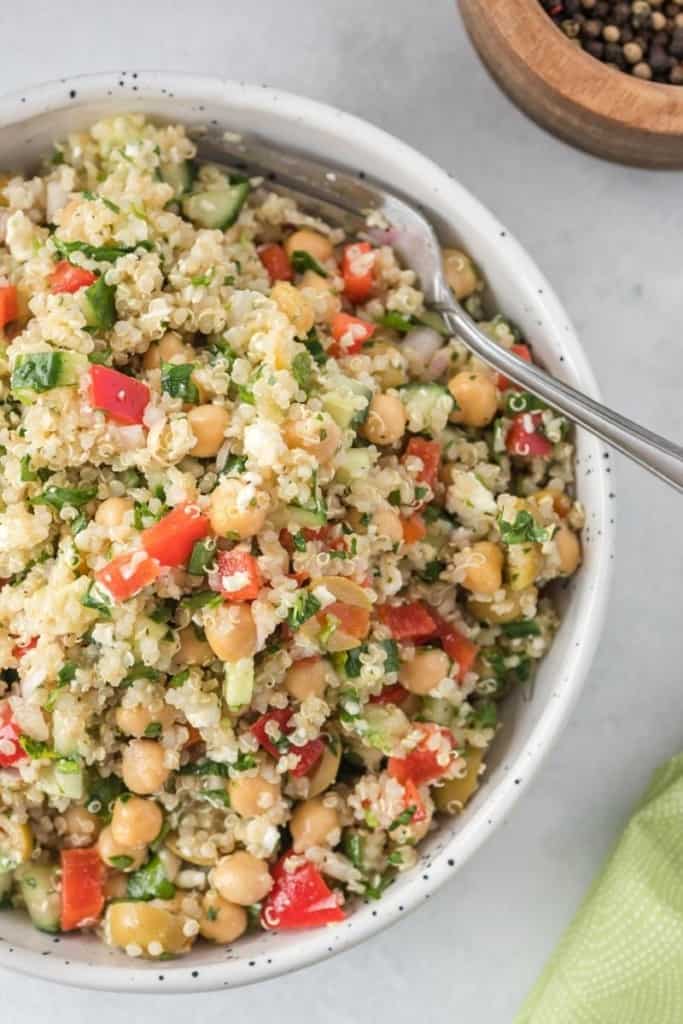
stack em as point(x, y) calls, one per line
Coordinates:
point(273, 548)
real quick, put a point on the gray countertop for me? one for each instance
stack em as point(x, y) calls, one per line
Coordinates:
point(610, 241)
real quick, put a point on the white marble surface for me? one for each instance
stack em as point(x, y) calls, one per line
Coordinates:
point(609, 239)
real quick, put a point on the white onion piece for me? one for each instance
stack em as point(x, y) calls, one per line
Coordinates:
point(419, 345)
point(438, 364)
point(129, 437)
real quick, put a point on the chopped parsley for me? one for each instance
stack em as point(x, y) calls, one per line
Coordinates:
point(432, 571)
point(305, 606)
point(101, 253)
point(525, 627)
point(315, 348)
point(524, 530)
point(176, 381)
point(303, 261)
point(58, 497)
point(302, 371)
point(150, 882)
point(202, 557)
point(203, 599)
point(234, 464)
point(97, 600)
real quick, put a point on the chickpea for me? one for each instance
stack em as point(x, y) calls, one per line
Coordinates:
point(81, 825)
point(388, 524)
point(386, 420)
point(135, 720)
point(307, 678)
point(242, 878)
point(313, 823)
point(231, 631)
point(388, 363)
point(112, 511)
point(568, 550)
point(424, 671)
point(142, 767)
point(524, 563)
point(294, 305)
point(317, 434)
point(208, 424)
point(221, 921)
point(136, 822)
point(16, 840)
point(192, 650)
point(312, 242)
point(319, 292)
point(484, 573)
point(460, 273)
point(251, 795)
point(171, 348)
point(153, 929)
point(476, 397)
point(110, 851)
point(509, 609)
point(236, 509)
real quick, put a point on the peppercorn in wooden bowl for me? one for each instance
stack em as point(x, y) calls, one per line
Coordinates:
point(600, 107)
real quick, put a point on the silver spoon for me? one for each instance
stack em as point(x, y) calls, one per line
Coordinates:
point(345, 199)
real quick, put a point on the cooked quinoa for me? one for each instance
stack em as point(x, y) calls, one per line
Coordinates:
point(273, 548)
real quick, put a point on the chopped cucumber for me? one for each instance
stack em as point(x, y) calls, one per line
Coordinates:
point(436, 709)
point(348, 402)
point(178, 176)
point(69, 779)
point(39, 887)
point(67, 724)
point(239, 682)
point(216, 207)
point(36, 372)
point(99, 306)
point(306, 517)
point(353, 464)
point(383, 727)
point(428, 407)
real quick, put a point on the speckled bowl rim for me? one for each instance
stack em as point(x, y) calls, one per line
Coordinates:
point(180, 976)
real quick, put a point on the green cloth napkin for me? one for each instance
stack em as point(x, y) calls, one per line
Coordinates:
point(621, 959)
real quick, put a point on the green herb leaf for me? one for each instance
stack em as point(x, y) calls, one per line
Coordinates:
point(176, 380)
point(299, 541)
point(202, 557)
point(522, 401)
point(303, 261)
point(396, 321)
point(352, 845)
point(102, 792)
point(432, 571)
point(153, 730)
point(141, 671)
point(525, 627)
point(392, 662)
point(58, 497)
point(484, 716)
point(404, 818)
point(394, 498)
point(234, 464)
point(305, 606)
point(315, 348)
point(203, 599)
point(302, 371)
point(245, 394)
point(97, 600)
point(179, 679)
point(216, 797)
point(101, 253)
point(121, 862)
point(524, 530)
point(150, 882)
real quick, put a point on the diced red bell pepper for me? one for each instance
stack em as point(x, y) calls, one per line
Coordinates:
point(19, 650)
point(9, 305)
point(412, 798)
point(408, 621)
point(414, 529)
point(308, 755)
point(357, 271)
point(430, 454)
point(11, 751)
point(395, 694)
point(68, 278)
point(421, 764)
point(523, 351)
point(128, 573)
point(279, 715)
point(124, 398)
point(457, 646)
point(233, 568)
point(299, 899)
point(275, 260)
point(82, 888)
point(171, 540)
point(352, 620)
point(350, 334)
point(524, 437)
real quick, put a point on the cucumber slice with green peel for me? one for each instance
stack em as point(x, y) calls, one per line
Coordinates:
point(353, 464)
point(179, 176)
point(69, 779)
point(306, 517)
point(347, 402)
point(427, 403)
point(36, 372)
point(99, 306)
point(216, 208)
point(39, 888)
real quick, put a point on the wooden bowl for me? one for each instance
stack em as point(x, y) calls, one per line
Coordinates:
point(585, 102)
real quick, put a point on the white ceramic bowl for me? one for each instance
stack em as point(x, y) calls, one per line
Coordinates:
point(30, 122)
